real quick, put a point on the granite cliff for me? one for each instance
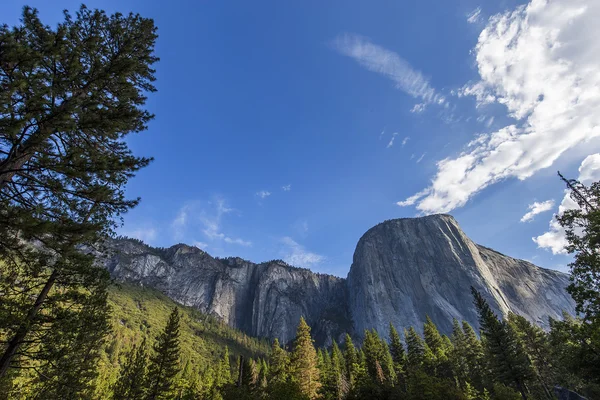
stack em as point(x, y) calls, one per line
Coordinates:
point(403, 270)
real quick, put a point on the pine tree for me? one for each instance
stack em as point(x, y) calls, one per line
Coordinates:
point(474, 356)
point(582, 227)
point(535, 342)
point(130, 383)
point(374, 354)
point(164, 362)
point(437, 348)
point(278, 364)
point(352, 361)
point(69, 352)
point(388, 365)
point(304, 362)
point(415, 349)
point(397, 350)
point(64, 156)
point(341, 385)
point(224, 376)
point(508, 359)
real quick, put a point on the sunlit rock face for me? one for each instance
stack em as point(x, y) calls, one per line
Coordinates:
point(264, 300)
point(403, 270)
point(406, 269)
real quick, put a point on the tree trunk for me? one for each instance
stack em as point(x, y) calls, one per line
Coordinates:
point(23, 330)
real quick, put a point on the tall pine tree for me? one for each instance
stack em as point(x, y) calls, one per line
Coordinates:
point(506, 354)
point(69, 98)
point(304, 362)
point(132, 376)
point(164, 362)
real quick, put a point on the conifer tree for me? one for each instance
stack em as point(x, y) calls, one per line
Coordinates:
point(374, 355)
point(415, 349)
point(164, 362)
point(474, 356)
point(304, 362)
point(397, 350)
point(436, 349)
point(67, 356)
point(263, 373)
point(388, 365)
point(341, 385)
point(130, 383)
point(507, 356)
point(278, 364)
point(352, 361)
point(459, 354)
point(225, 376)
point(535, 342)
point(69, 98)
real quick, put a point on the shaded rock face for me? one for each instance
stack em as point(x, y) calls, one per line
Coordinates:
point(406, 269)
point(403, 270)
point(263, 300)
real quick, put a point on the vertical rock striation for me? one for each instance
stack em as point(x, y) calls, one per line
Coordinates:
point(405, 269)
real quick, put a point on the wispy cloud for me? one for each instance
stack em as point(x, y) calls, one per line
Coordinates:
point(405, 140)
point(474, 16)
point(146, 235)
point(421, 158)
point(263, 194)
point(295, 254)
point(206, 218)
point(537, 208)
point(391, 142)
point(389, 64)
point(539, 61)
point(200, 245)
point(286, 188)
point(418, 108)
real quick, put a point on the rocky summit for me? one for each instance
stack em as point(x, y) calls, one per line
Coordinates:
point(403, 270)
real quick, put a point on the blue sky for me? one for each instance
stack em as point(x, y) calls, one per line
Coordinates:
point(287, 129)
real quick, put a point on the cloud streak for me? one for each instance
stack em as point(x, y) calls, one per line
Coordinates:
point(207, 219)
point(389, 64)
point(295, 254)
point(537, 208)
point(263, 194)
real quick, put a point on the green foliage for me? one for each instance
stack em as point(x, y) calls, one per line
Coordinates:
point(132, 376)
point(582, 227)
point(507, 356)
point(304, 362)
point(70, 96)
point(164, 362)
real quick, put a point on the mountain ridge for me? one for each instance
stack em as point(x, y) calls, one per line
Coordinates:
point(403, 269)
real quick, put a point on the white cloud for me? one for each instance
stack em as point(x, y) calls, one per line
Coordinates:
point(474, 16)
point(263, 194)
point(389, 64)
point(237, 241)
point(391, 143)
point(146, 235)
point(286, 188)
point(208, 219)
point(412, 199)
point(555, 239)
point(200, 245)
point(541, 62)
point(405, 140)
point(537, 208)
point(295, 254)
point(421, 158)
point(418, 108)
